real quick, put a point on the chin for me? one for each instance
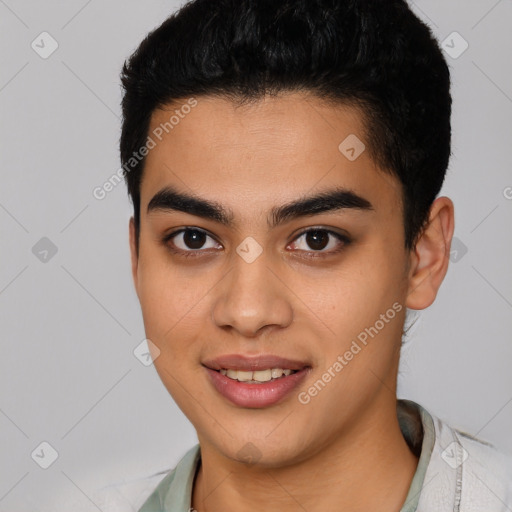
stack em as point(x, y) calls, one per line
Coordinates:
point(261, 452)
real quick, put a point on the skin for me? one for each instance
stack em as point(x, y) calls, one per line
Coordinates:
point(324, 455)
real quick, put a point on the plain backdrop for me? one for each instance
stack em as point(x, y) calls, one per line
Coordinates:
point(70, 319)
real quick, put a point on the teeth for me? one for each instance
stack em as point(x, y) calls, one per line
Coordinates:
point(244, 376)
point(257, 376)
point(262, 375)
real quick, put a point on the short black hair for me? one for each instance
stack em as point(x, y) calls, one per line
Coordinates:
point(376, 55)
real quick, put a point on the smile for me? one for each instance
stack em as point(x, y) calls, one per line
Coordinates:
point(256, 377)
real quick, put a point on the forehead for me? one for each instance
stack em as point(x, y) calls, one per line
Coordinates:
point(268, 151)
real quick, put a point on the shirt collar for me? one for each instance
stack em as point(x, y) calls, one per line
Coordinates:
point(174, 492)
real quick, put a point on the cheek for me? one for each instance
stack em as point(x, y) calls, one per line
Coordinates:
point(363, 301)
point(170, 311)
point(170, 303)
point(174, 318)
point(356, 293)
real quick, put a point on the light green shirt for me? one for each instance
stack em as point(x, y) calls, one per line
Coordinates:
point(174, 492)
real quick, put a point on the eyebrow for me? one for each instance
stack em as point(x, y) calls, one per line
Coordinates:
point(170, 199)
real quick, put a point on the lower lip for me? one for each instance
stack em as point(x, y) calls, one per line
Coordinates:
point(256, 395)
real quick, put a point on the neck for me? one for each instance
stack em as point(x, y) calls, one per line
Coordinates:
point(368, 467)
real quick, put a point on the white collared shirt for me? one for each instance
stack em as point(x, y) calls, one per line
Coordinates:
point(455, 473)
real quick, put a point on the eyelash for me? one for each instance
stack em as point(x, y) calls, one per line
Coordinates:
point(194, 253)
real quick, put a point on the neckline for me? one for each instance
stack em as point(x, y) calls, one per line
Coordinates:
point(175, 491)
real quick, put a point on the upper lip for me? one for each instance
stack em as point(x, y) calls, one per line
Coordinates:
point(253, 363)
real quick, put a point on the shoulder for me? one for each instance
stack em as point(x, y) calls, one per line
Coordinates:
point(130, 496)
point(168, 489)
point(479, 475)
point(487, 475)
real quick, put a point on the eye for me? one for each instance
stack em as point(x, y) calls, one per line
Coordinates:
point(319, 240)
point(190, 240)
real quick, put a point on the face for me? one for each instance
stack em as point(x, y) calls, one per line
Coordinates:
point(248, 282)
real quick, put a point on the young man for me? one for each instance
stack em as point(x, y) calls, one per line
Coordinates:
point(284, 161)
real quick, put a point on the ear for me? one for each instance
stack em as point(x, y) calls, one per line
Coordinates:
point(430, 257)
point(134, 254)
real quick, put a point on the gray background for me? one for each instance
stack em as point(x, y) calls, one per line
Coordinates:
point(70, 324)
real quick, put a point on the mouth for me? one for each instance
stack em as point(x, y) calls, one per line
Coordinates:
point(255, 382)
point(256, 377)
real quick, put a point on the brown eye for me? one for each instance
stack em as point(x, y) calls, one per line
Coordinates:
point(318, 240)
point(190, 240)
point(194, 239)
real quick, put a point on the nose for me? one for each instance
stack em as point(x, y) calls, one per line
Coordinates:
point(251, 299)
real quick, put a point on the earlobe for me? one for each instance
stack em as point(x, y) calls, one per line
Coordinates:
point(133, 253)
point(430, 257)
